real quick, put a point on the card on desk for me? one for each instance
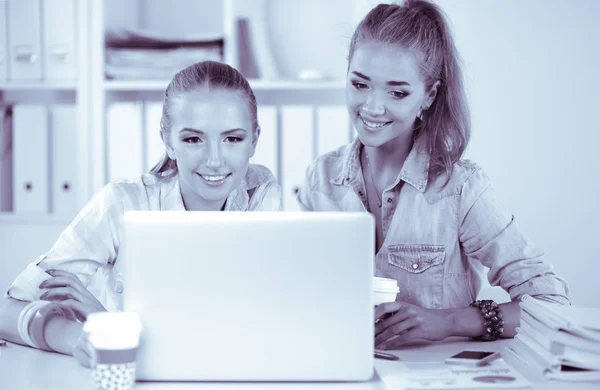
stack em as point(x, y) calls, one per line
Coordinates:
point(437, 375)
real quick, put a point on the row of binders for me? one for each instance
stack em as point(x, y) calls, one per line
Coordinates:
point(556, 342)
point(291, 138)
point(38, 40)
point(38, 163)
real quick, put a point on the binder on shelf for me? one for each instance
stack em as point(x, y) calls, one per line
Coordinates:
point(6, 159)
point(247, 61)
point(267, 149)
point(333, 128)
point(124, 140)
point(155, 149)
point(59, 46)
point(63, 131)
point(296, 151)
point(30, 156)
point(24, 40)
point(3, 41)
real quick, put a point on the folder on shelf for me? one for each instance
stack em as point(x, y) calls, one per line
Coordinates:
point(297, 142)
point(333, 128)
point(59, 47)
point(3, 41)
point(6, 159)
point(267, 150)
point(124, 140)
point(30, 156)
point(63, 130)
point(155, 149)
point(24, 40)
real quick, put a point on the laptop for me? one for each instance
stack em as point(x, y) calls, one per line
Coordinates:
point(250, 296)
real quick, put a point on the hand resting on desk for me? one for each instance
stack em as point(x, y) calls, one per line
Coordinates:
point(66, 288)
point(408, 322)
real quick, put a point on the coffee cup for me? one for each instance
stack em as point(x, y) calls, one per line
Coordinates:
point(114, 337)
point(384, 290)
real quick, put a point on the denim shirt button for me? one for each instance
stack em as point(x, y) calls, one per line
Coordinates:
point(360, 193)
point(390, 200)
point(415, 265)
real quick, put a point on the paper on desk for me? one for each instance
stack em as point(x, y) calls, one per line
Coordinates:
point(437, 375)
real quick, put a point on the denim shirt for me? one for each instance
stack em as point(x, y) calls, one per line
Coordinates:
point(438, 241)
point(89, 246)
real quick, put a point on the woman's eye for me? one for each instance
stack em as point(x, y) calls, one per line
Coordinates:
point(358, 85)
point(234, 140)
point(192, 140)
point(398, 94)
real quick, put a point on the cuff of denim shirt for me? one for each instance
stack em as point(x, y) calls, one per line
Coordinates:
point(549, 288)
point(26, 286)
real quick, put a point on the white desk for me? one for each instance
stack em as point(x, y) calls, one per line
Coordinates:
point(25, 368)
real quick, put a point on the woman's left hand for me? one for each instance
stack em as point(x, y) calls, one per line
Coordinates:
point(406, 322)
point(66, 288)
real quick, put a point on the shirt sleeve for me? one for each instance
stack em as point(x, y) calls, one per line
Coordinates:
point(87, 248)
point(490, 234)
point(267, 198)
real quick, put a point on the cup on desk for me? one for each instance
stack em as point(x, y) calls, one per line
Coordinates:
point(114, 337)
point(384, 290)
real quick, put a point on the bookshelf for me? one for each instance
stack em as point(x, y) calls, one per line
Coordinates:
point(49, 91)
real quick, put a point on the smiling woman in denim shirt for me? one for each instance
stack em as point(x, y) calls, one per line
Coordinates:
point(438, 221)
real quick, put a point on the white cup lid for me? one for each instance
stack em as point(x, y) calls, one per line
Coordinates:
point(384, 283)
point(113, 329)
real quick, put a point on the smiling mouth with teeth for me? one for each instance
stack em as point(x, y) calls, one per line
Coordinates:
point(214, 178)
point(374, 125)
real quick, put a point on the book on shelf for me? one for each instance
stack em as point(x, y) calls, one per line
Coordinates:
point(142, 54)
point(6, 159)
point(556, 341)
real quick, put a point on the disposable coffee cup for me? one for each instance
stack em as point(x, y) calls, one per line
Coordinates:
point(114, 337)
point(384, 290)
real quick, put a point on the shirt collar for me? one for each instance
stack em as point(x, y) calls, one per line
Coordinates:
point(415, 170)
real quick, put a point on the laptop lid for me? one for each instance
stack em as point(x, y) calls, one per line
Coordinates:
point(251, 296)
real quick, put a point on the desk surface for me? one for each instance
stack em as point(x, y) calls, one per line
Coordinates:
point(26, 368)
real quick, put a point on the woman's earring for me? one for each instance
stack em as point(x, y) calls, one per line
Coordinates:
point(420, 113)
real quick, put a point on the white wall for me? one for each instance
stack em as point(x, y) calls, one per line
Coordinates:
point(533, 83)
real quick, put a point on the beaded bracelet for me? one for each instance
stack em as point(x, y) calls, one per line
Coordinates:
point(492, 316)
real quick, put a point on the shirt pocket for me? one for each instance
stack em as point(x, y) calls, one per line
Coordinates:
point(416, 258)
point(419, 269)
